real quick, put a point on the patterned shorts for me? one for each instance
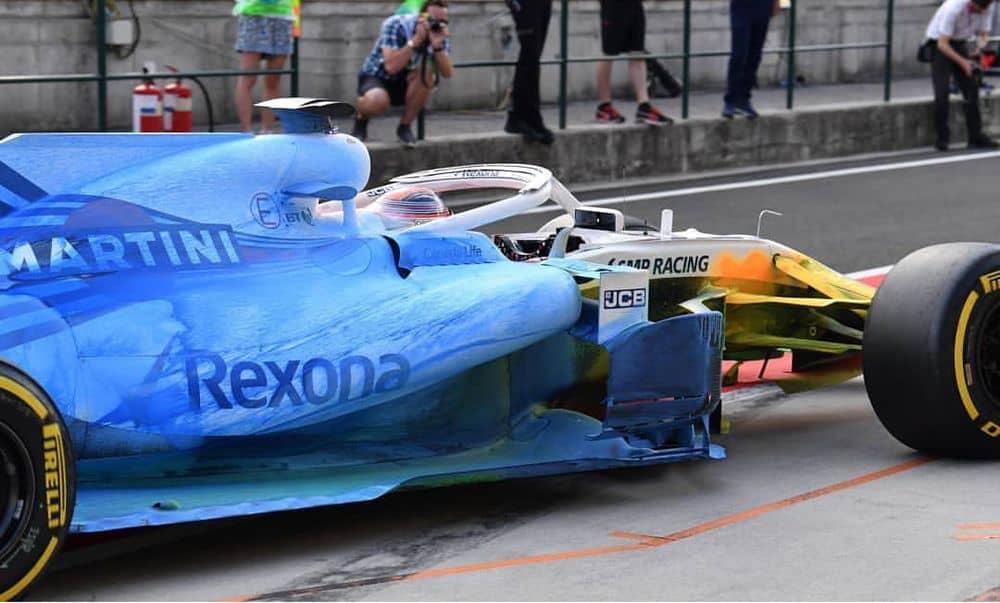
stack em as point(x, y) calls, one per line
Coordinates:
point(269, 36)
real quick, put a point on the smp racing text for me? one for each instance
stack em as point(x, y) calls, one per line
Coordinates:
point(682, 264)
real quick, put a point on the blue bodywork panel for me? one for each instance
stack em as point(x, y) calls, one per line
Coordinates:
point(216, 346)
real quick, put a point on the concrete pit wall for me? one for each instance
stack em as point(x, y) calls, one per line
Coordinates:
point(588, 154)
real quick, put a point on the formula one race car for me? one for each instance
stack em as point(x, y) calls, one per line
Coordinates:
point(202, 326)
point(931, 335)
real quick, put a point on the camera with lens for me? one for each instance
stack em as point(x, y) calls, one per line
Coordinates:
point(977, 76)
point(435, 24)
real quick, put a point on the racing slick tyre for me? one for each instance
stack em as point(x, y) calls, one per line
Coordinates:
point(37, 482)
point(932, 350)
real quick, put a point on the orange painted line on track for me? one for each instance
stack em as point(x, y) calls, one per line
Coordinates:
point(742, 516)
point(532, 560)
point(657, 541)
point(979, 526)
point(644, 541)
point(990, 595)
point(969, 537)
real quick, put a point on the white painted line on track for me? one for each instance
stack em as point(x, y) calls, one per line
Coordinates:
point(700, 190)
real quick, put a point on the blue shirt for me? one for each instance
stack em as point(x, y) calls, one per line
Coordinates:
point(396, 31)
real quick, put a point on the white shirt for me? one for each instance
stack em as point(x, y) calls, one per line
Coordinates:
point(956, 20)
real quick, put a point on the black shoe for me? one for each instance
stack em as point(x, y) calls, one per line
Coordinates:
point(518, 125)
point(535, 121)
point(547, 137)
point(941, 145)
point(405, 135)
point(360, 130)
point(982, 141)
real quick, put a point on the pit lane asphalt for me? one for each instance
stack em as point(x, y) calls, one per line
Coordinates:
point(816, 500)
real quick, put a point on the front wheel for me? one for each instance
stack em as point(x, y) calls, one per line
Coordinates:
point(932, 350)
point(37, 482)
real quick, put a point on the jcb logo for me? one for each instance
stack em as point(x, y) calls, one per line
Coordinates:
point(55, 475)
point(624, 298)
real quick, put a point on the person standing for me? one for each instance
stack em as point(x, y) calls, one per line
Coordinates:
point(623, 29)
point(748, 20)
point(265, 34)
point(955, 25)
point(531, 18)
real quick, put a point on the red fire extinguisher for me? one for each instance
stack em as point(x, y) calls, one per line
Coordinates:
point(147, 108)
point(177, 115)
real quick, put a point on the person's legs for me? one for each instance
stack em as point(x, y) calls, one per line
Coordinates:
point(604, 81)
point(941, 70)
point(272, 89)
point(970, 92)
point(637, 73)
point(373, 97)
point(532, 23)
point(418, 91)
point(244, 90)
point(757, 37)
point(525, 117)
point(375, 102)
point(614, 23)
point(739, 24)
point(612, 44)
point(645, 112)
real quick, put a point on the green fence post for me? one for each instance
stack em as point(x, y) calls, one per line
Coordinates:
point(790, 83)
point(888, 51)
point(295, 67)
point(563, 60)
point(102, 66)
point(686, 60)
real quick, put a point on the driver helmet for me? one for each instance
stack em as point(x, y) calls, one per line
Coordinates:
point(409, 206)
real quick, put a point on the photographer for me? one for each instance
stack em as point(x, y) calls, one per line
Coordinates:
point(955, 24)
point(411, 52)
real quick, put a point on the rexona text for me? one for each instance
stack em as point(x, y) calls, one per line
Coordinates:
point(270, 384)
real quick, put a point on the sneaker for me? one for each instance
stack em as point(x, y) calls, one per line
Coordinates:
point(941, 145)
point(731, 110)
point(360, 130)
point(982, 142)
point(405, 135)
point(607, 113)
point(648, 114)
point(532, 133)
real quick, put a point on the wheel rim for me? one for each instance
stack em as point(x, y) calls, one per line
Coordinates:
point(16, 489)
point(987, 355)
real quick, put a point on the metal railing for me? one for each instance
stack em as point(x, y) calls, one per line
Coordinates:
point(102, 77)
point(791, 50)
